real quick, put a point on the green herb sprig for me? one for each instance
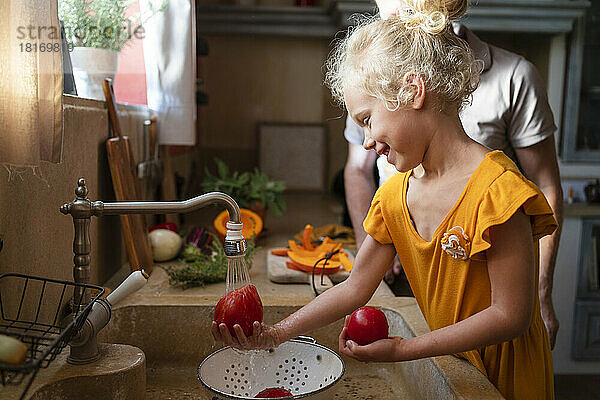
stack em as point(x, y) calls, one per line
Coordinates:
point(247, 187)
point(201, 269)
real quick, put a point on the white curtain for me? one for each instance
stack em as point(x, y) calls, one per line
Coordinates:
point(170, 59)
point(31, 83)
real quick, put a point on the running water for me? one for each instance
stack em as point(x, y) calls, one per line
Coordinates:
point(238, 277)
point(237, 273)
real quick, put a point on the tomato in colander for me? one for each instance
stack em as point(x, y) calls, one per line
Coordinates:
point(273, 393)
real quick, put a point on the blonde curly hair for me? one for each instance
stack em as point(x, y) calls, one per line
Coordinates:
point(376, 54)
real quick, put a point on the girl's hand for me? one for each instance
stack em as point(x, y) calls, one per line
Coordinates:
point(263, 336)
point(384, 350)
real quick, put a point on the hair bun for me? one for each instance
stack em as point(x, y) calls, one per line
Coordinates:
point(432, 22)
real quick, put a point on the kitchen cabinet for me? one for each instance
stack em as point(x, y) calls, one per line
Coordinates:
point(586, 335)
point(581, 137)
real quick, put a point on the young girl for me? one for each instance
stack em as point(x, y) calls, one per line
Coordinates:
point(463, 220)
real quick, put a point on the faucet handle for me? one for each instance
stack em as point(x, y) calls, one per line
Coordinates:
point(65, 208)
point(134, 282)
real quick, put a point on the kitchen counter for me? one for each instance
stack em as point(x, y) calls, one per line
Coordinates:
point(581, 209)
point(165, 332)
point(302, 208)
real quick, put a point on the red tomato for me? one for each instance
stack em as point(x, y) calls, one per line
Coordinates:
point(167, 225)
point(242, 306)
point(366, 325)
point(273, 393)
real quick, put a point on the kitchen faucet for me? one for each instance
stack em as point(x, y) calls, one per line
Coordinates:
point(84, 347)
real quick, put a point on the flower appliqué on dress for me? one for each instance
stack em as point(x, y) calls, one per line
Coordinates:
point(456, 243)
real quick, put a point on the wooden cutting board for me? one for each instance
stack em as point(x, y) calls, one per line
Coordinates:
point(122, 170)
point(278, 272)
point(167, 186)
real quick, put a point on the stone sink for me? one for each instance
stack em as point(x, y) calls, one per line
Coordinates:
point(176, 337)
point(156, 339)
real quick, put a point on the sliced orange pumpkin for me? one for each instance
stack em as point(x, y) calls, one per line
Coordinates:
point(253, 224)
point(303, 268)
point(346, 262)
point(327, 245)
point(306, 235)
point(336, 247)
point(280, 252)
point(310, 261)
point(292, 265)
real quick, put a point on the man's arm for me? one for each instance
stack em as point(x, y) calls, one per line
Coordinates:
point(539, 164)
point(360, 187)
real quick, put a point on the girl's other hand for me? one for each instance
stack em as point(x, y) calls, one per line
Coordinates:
point(384, 350)
point(263, 336)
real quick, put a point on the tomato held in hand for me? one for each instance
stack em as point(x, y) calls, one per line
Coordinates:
point(242, 306)
point(366, 325)
point(273, 393)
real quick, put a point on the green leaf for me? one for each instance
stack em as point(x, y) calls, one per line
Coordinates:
point(222, 168)
point(246, 187)
point(244, 178)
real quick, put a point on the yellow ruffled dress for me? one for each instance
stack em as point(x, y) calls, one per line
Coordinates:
point(449, 276)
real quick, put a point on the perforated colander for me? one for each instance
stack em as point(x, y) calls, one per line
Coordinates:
point(303, 367)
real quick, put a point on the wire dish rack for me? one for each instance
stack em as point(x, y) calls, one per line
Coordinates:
point(36, 311)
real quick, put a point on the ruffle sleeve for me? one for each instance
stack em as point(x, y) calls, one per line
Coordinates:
point(374, 223)
point(503, 198)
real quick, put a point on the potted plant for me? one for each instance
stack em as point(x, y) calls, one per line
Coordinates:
point(251, 189)
point(96, 31)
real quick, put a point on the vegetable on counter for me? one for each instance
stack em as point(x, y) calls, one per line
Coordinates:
point(306, 243)
point(165, 244)
point(339, 233)
point(280, 252)
point(167, 225)
point(12, 351)
point(201, 268)
point(200, 238)
point(304, 257)
point(248, 188)
point(252, 223)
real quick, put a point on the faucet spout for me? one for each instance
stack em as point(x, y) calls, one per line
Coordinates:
point(82, 209)
point(172, 207)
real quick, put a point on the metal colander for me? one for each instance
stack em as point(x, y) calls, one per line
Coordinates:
point(303, 367)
